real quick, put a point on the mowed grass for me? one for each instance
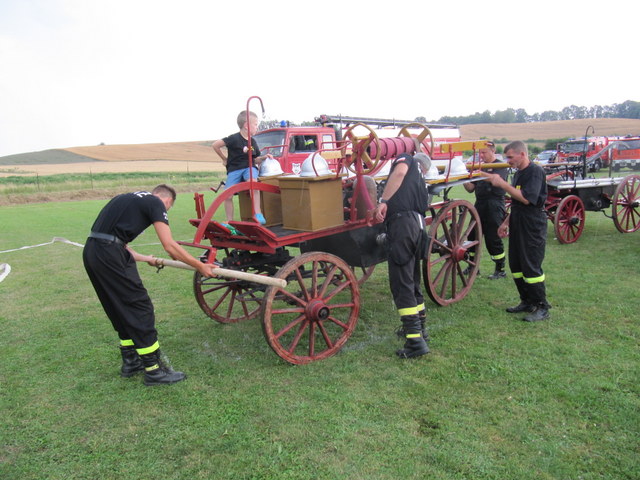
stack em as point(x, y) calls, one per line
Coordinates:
point(496, 399)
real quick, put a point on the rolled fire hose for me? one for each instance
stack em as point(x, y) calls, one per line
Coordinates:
point(227, 273)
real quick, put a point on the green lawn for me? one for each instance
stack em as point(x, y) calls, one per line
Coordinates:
point(496, 399)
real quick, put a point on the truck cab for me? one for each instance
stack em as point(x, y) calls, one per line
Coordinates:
point(292, 145)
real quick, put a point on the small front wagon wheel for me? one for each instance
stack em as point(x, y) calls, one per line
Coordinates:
point(568, 222)
point(314, 315)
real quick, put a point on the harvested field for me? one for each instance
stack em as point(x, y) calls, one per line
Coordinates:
point(548, 130)
point(199, 156)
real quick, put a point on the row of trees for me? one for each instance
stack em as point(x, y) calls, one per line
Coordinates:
point(628, 109)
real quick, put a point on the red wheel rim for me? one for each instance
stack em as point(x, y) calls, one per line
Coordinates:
point(449, 271)
point(569, 219)
point(314, 315)
point(226, 300)
point(626, 205)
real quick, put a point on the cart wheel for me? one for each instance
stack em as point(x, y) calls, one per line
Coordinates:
point(363, 273)
point(448, 271)
point(227, 300)
point(314, 315)
point(626, 205)
point(360, 149)
point(424, 133)
point(569, 219)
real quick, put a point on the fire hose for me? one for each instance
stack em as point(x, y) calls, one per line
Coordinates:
point(226, 273)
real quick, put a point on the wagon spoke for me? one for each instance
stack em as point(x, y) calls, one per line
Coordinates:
point(289, 326)
point(298, 336)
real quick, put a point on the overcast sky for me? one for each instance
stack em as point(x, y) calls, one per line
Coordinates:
point(83, 72)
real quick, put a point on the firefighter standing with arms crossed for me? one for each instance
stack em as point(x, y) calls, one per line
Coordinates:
point(527, 230)
point(402, 206)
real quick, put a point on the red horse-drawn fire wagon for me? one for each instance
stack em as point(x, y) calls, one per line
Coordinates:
point(321, 243)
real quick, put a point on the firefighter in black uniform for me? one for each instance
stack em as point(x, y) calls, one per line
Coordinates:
point(527, 231)
point(492, 211)
point(402, 207)
point(111, 266)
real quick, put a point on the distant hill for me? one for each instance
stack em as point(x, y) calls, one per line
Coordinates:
point(201, 151)
point(175, 151)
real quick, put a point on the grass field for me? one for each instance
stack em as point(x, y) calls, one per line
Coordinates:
point(496, 399)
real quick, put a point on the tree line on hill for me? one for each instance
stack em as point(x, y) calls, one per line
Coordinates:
point(627, 109)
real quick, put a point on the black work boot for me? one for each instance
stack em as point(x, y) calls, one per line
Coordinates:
point(400, 332)
point(540, 312)
point(423, 325)
point(414, 345)
point(131, 361)
point(156, 372)
point(499, 271)
point(521, 307)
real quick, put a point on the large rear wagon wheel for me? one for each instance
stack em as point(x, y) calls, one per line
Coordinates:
point(313, 316)
point(568, 221)
point(449, 271)
point(626, 205)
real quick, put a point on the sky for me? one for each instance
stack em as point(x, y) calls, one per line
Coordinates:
point(85, 72)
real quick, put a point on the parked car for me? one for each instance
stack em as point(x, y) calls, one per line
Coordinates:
point(547, 156)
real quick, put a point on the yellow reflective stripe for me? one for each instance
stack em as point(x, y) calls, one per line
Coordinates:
point(147, 350)
point(408, 311)
point(517, 274)
point(421, 308)
point(534, 279)
point(126, 343)
point(414, 335)
point(497, 257)
point(151, 368)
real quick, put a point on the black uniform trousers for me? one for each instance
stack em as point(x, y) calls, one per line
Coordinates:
point(492, 213)
point(406, 246)
point(114, 275)
point(527, 240)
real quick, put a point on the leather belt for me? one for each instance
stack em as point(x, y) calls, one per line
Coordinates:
point(108, 238)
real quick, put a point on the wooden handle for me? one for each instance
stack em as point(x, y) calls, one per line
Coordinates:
point(227, 273)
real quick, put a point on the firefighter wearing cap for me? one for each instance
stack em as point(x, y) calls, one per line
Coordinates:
point(492, 211)
point(402, 205)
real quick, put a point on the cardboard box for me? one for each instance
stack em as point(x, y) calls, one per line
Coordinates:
point(311, 203)
point(270, 204)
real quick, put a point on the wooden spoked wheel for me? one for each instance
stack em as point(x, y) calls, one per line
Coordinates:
point(363, 273)
point(360, 149)
point(404, 132)
point(313, 316)
point(227, 300)
point(449, 271)
point(626, 205)
point(568, 220)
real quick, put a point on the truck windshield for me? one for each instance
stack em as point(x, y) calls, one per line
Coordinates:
point(629, 145)
point(270, 142)
point(572, 147)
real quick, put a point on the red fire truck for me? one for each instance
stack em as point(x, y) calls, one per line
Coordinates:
point(292, 145)
point(625, 153)
point(573, 149)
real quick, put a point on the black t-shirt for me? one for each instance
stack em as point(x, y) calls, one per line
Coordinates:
point(412, 196)
point(532, 183)
point(486, 191)
point(238, 151)
point(127, 215)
